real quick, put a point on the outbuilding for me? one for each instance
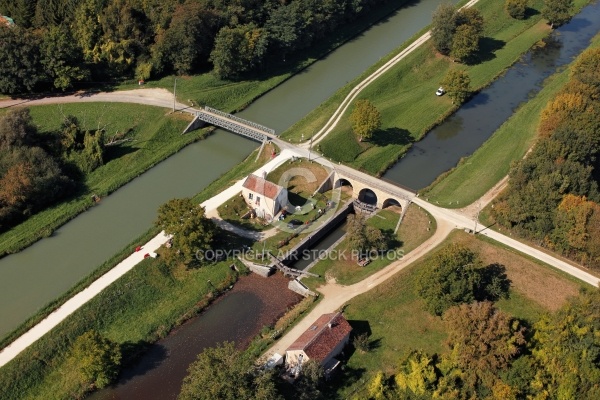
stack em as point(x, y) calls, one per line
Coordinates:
point(265, 197)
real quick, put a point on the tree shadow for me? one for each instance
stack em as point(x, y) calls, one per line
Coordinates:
point(487, 47)
point(392, 239)
point(389, 136)
point(140, 358)
point(494, 283)
point(115, 152)
point(531, 12)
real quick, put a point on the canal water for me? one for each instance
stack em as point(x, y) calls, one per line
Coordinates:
point(45, 270)
point(237, 316)
point(467, 129)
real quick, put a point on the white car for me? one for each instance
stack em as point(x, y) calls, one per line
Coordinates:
point(440, 91)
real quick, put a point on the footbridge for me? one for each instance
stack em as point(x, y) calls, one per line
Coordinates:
point(231, 123)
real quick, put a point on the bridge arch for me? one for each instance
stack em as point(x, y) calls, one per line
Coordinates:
point(392, 202)
point(345, 185)
point(368, 196)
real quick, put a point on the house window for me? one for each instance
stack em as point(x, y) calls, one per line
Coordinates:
point(258, 200)
point(250, 196)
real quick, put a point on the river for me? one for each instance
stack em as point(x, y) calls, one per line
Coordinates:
point(467, 129)
point(45, 270)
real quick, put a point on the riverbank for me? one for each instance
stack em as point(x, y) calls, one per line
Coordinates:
point(478, 173)
point(405, 94)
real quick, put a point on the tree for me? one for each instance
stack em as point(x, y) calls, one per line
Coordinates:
point(450, 278)
point(16, 129)
point(61, 58)
point(362, 237)
point(97, 359)
point(237, 50)
point(442, 27)
point(365, 119)
point(482, 341)
point(469, 16)
point(586, 69)
point(516, 8)
point(456, 83)
point(567, 349)
point(417, 373)
point(191, 230)
point(224, 373)
point(307, 385)
point(20, 68)
point(557, 12)
point(465, 43)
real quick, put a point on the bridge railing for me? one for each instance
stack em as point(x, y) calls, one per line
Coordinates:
point(241, 120)
point(374, 184)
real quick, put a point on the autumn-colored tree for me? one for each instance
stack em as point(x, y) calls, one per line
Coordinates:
point(566, 348)
point(586, 70)
point(192, 231)
point(516, 8)
point(417, 373)
point(457, 85)
point(365, 119)
point(565, 108)
point(482, 341)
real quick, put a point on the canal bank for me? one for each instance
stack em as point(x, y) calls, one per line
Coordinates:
point(40, 273)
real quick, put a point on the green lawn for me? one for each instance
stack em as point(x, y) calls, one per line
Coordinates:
point(476, 174)
point(155, 136)
point(394, 315)
point(235, 208)
point(405, 94)
point(414, 230)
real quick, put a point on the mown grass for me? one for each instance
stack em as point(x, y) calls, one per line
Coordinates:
point(478, 173)
point(405, 94)
point(155, 136)
point(414, 230)
point(394, 316)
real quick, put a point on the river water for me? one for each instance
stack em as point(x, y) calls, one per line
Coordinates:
point(467, 129)
point(45, 270)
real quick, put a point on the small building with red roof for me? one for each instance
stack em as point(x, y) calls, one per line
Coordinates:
point(325, 339)
point(266, 198)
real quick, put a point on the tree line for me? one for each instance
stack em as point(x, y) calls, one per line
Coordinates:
point(490, 354)
point(38, 169)
point(57, 43)
point(553, 195)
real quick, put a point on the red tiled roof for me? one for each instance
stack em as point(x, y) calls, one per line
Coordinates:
point(323, 336)
point(262, 186)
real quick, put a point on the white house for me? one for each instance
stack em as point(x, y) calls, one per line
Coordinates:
point(325, 339)
point(266, 198)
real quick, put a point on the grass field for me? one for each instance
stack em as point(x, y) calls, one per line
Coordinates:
point(405, 94)
point(155, 136)
point(416, 227)
point(475, 175)
point(394, 315)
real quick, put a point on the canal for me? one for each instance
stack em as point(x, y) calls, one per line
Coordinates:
point(45, 270)
point(467, 129)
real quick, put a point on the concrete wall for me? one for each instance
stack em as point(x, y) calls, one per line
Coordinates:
point(196, 123)
point(315, 236)
point(337, 350)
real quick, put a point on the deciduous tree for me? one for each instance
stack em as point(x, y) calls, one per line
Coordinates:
point(365, 119)
point(442, 27)
point(20, 68)
point(450, 278)
point(516, 8)
point(97, 359)
point(457, 85)
point(224, 373)
point(192, 231)
point(465, 43)
point(557, 12)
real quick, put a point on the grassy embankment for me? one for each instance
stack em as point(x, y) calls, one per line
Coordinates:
point(416, 227)
point(478, 173)
point(405, 94)
point(202, 89)
point(138, 309)
point(394, 314)
point(155, 136)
